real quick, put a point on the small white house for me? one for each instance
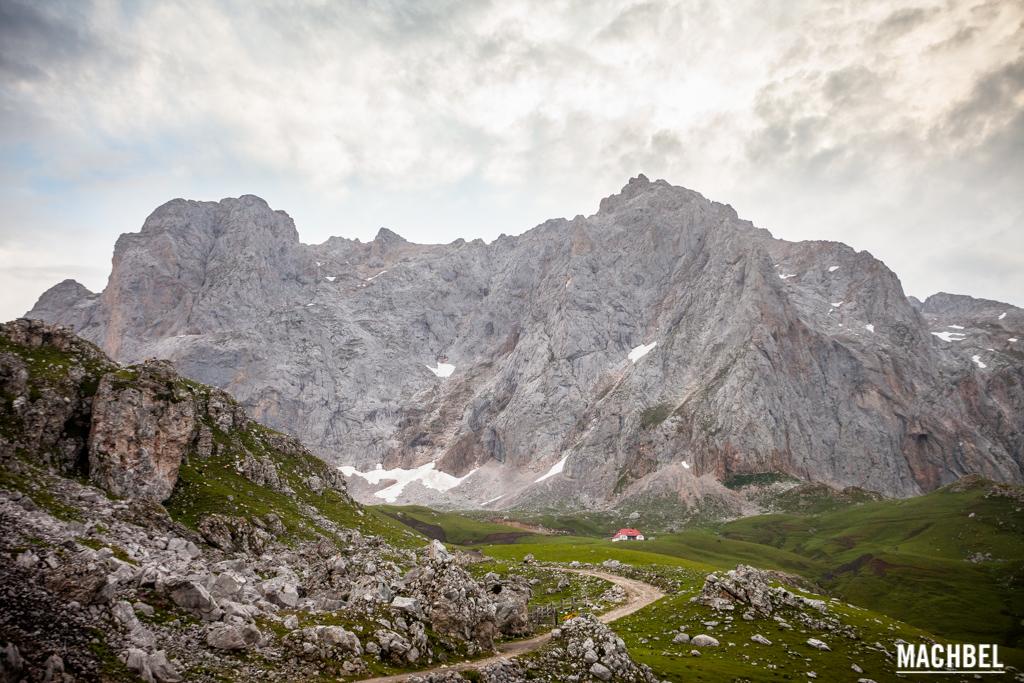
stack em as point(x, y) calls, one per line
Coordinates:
point(627, 535)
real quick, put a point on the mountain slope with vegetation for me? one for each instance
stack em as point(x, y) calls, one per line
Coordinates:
point(150, 530)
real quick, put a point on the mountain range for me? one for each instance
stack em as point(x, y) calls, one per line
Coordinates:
point(649, 353)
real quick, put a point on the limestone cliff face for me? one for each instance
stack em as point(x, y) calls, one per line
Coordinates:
point(143, 425)
point(651, 349)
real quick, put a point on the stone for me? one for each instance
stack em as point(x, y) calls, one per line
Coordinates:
point(340, 639)
point(280, 591)
point(53, 668)
point(405, 604)
point(818, 644)
point(437, 552)
point(140, 433)
point(239, 610)
point(163, 671)
point(143, 609)
point(681, 638)
point(703, 640)
point(227, 585)
point(601, 672)
point(193, 596)
point(225, 636)
point(152, 668)
point(758, 638)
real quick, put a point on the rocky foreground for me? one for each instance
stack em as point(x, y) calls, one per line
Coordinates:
point(150, 530)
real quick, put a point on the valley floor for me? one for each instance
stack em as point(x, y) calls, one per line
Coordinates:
point(946, 567)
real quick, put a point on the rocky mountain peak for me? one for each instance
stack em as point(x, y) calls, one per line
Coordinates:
point(247, 218)
point(945, 303)
point(389, 236)
point(59, 302)
point(651, 350)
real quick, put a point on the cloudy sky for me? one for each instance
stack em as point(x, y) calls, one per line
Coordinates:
point(895, 127)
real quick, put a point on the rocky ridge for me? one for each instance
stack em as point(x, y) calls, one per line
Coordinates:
point(150, 530)
point(641, 355)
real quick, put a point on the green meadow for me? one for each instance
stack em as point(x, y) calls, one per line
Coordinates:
point(948, 565)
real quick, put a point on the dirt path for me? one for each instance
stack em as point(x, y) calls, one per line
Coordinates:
point(638, 596)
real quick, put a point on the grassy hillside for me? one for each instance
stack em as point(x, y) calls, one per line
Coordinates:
point(451, 527)
point(685, 560)
point(951, 562)
point(649, 636)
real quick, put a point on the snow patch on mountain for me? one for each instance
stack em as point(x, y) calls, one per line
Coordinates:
point(639, 352)
point(442, 370)
point(555, 469)
point(425, 474)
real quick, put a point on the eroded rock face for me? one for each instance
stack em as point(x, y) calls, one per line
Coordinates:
point(53, 416)
point(142, 428)
point(749, 354)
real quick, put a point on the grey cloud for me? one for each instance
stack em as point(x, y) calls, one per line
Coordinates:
point(631, 21)
point(851, 85)
point(963, 36)
point(990, 104)
point(903, 21)
point(37, 37)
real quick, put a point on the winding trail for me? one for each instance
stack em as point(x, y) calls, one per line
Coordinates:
point(638, 596)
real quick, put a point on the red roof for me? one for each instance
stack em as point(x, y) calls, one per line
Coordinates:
point(627, 532)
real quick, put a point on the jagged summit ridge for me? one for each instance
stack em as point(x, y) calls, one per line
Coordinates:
point(492, 363)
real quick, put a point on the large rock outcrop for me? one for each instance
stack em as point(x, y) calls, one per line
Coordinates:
point(143, 424)
point(651, 350)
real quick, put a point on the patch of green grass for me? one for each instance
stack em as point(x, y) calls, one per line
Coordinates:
point(217, 485)
point(49, 365)
point(910, 558)
point(547, 585)
point(118, 552)
point(35, 486)
point(648, 635)
point(111, 666)
point(813, 498)
point(597, 524)
point(452, 527)
point(569, 548)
